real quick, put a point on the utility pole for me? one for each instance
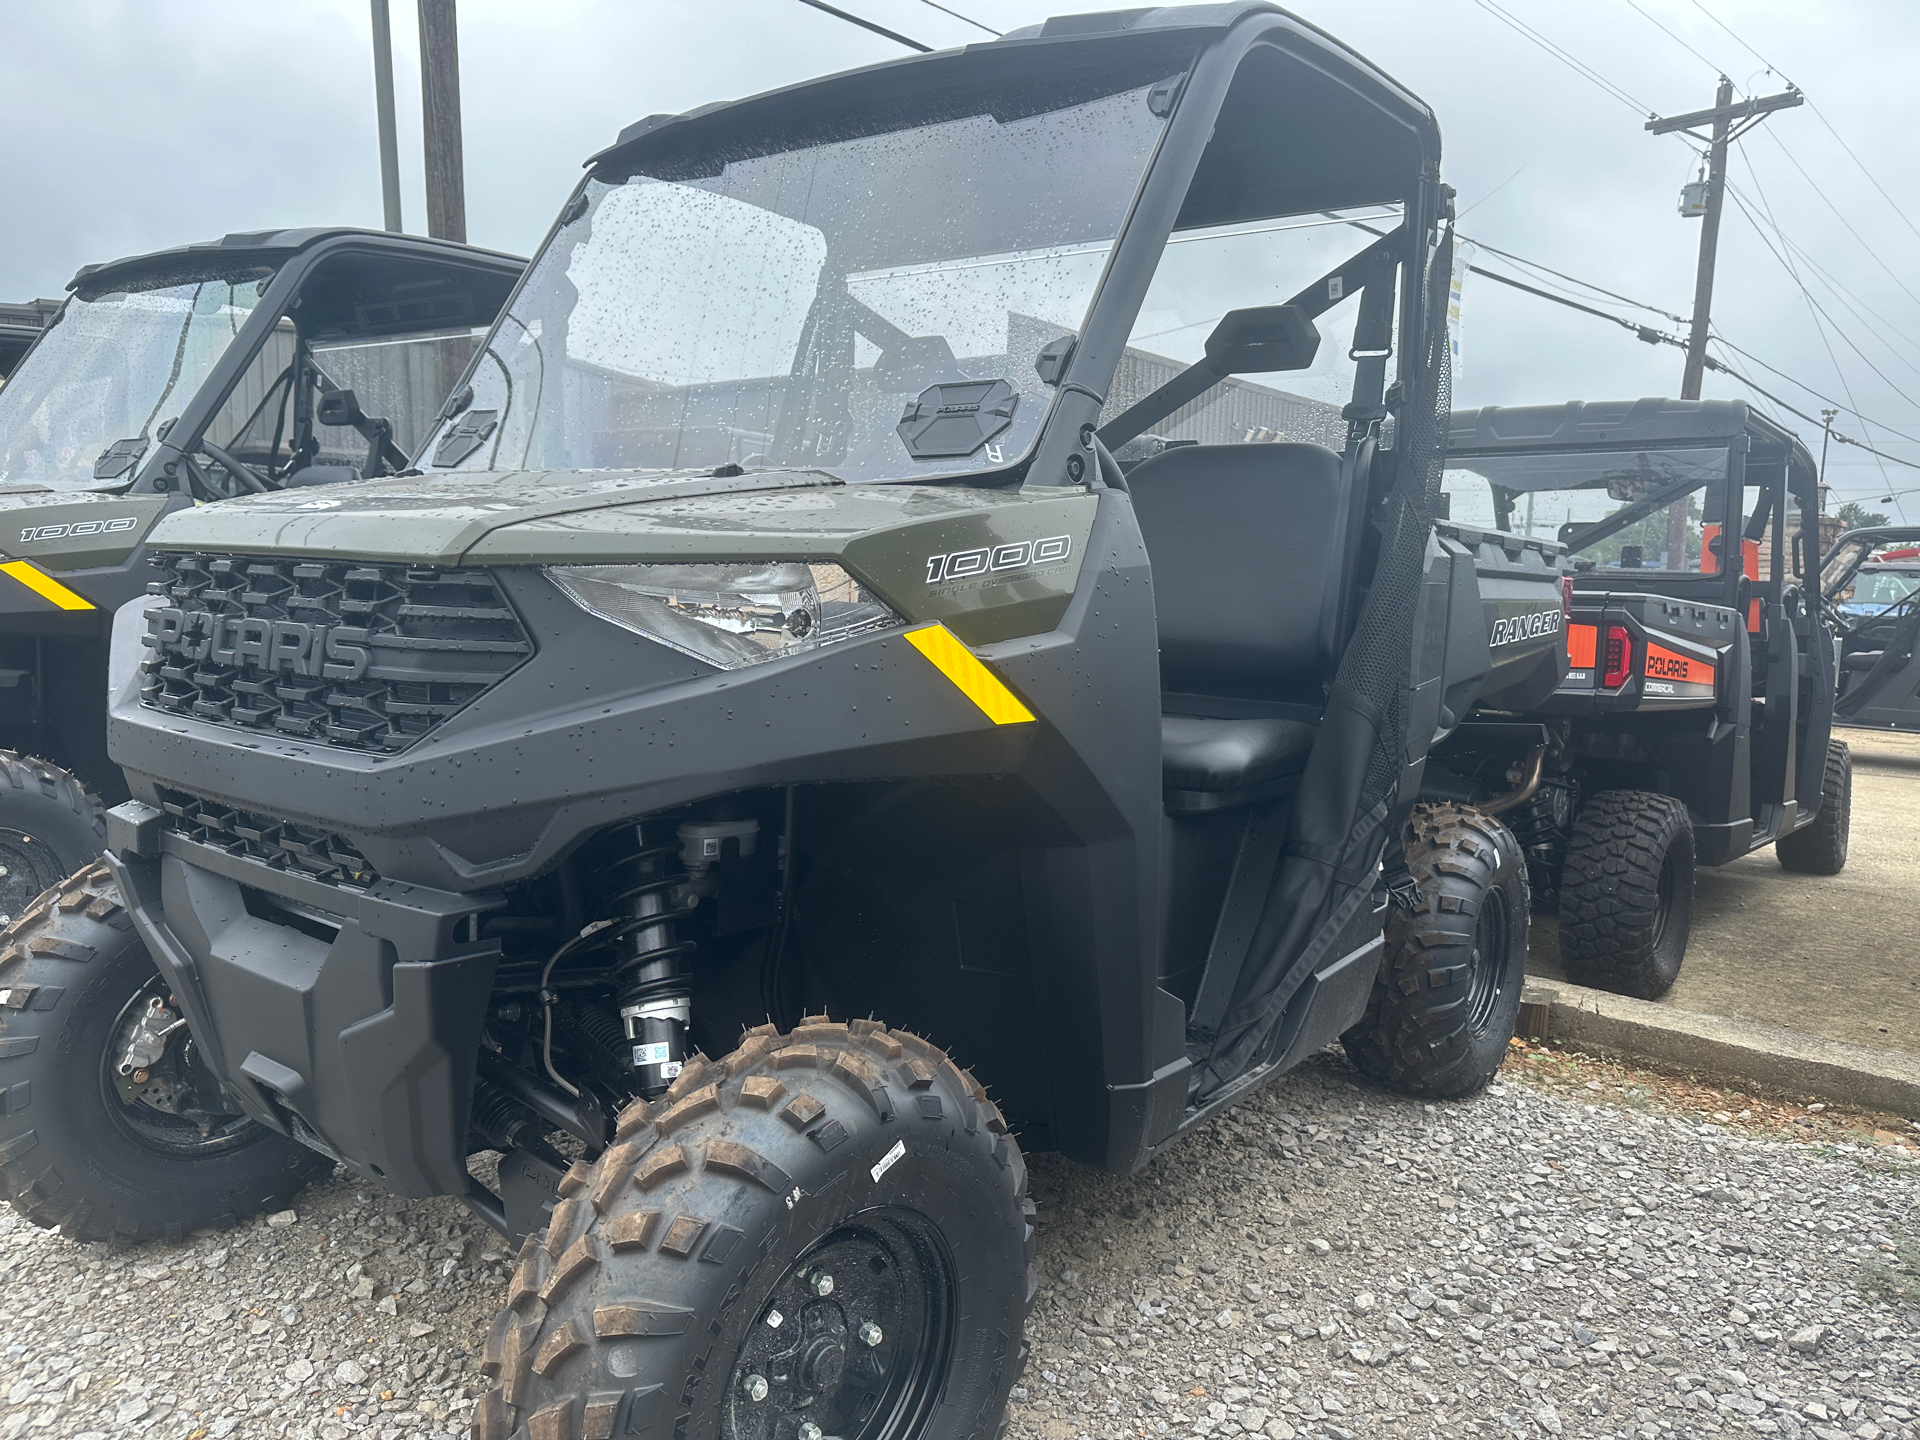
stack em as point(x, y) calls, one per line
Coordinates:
point(383, 108)
point(1729, 122)
point(440, 113)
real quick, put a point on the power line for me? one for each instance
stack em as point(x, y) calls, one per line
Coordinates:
point(1565, 57)
point(1494, 275)
point(1839, 439)
point(881, 30)
point(1655, 337)
point(1838, 137)
point(1841, 218)
point(1818, 395)
point(1813, 305)
point(1493, 192)
point(1871, 180)
point(1717, 69)
point(935, 4)
point(1584, 284)
point(1855, 304)
point(1775, 69)
point(1819, 309)
point(1651, 336)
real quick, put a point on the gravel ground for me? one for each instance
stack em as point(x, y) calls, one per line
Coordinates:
point(1325, 1260)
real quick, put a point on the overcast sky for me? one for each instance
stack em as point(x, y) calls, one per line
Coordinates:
point(132, 125)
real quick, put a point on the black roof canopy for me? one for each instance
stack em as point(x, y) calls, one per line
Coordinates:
point(1627, 424)
point(269, 248)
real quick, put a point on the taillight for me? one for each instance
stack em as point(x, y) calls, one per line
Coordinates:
point(1619, 657)
point(1566, 600)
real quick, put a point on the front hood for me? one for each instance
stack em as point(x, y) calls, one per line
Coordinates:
point(73, 529)
point(1015, 554)
point(437, 519)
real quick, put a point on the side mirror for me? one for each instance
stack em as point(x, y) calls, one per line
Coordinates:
point(1262, 339)
point(341, 408)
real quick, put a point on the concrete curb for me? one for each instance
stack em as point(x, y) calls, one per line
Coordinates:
point(1786, 1061)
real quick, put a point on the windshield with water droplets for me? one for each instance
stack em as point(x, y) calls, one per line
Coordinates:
point(790, 309)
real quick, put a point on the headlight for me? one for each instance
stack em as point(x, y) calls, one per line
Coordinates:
point(729, 615)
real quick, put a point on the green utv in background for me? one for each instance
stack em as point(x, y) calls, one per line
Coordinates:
point(774, 634)
point(263, 361)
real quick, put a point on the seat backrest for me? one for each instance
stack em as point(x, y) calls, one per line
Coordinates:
point(1247, 546)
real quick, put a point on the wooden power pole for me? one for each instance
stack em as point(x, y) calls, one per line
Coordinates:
point(1729, 122)
point(383, 110)
point(440, 113)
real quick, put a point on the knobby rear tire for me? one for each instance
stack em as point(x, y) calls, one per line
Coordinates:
point(1448, 995)
point(1626, 895)
point(1821, 848)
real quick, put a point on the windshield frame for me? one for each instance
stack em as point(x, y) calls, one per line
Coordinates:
point(1209, 55)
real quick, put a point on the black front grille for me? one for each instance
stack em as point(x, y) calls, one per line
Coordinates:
point(367, 657)
point(298, 849)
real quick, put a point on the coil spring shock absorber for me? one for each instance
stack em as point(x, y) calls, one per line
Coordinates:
point(653, 991)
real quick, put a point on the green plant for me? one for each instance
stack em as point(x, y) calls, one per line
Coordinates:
point(1895, 1276)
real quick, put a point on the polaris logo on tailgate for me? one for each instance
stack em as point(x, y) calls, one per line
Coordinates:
point(1526, 627)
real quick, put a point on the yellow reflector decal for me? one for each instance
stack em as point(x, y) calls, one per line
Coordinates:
point(970, 677)
point(41, 583)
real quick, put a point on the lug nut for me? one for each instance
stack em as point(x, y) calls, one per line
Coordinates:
point(755, 1387)
point(809, 1430)
point(870, 1335)
point(774, 1318)
point(822, 1283)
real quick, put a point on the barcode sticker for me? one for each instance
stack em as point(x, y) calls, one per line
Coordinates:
point(888, 1160)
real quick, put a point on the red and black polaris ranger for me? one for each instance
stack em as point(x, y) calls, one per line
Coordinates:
point(1693, 723)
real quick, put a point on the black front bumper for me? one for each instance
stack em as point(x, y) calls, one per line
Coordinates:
point(360, 1044)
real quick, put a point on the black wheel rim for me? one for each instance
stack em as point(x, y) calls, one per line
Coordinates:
point(134, 1105)
point(1492, 938)
point(1663, 900)
point(28, 866)
point(853, 1342)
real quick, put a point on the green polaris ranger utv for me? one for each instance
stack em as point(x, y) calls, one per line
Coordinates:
point(773, 635)
point(1694, 723)
point(273, 360)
